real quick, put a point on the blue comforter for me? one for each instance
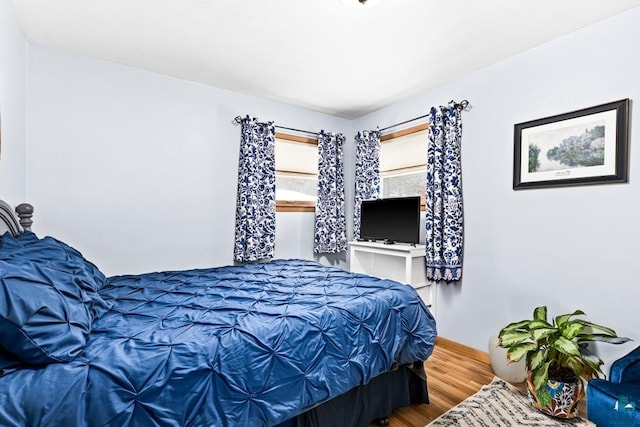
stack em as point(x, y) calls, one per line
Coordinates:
point(249, 345)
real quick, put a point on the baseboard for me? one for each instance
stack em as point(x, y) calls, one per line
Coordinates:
point(470, 352)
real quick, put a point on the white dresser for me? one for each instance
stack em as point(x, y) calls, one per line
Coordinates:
point(401, 262)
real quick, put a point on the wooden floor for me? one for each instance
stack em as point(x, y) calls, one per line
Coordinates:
point(454, 372)
point(451, 378)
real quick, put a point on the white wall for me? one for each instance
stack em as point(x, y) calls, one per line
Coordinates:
point(139, 170)
point(13, 111)
point(567, 248)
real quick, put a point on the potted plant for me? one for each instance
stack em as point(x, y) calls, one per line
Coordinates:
point(557, 357)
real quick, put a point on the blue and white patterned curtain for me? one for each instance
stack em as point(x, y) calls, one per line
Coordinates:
point(444, 214)
point(331, 227)
point(367, 172)
point(256, 200)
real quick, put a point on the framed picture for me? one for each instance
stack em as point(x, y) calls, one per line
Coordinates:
point(582, 147)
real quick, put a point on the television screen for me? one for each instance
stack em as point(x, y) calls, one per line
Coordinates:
point(391, 220)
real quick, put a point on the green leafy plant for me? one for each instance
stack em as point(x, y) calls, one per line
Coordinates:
point(556, 349)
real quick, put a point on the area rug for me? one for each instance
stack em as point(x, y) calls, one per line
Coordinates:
point(500, 404)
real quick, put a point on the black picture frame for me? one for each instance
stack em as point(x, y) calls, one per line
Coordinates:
point(583, 147)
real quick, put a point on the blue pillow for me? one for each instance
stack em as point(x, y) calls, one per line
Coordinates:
point(27, 247)
point(44, 317)
point(49, 299)
point(8, 242)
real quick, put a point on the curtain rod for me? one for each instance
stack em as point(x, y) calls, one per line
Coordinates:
point(460, 106)
point(239, 120)
point(298, 130)
point(406, 121)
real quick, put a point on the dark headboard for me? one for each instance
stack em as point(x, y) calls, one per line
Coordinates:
point(9, 222)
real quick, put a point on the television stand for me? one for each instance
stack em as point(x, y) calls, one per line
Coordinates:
point(400, 262)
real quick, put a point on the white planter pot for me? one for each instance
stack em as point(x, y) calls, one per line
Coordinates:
point(513, 372)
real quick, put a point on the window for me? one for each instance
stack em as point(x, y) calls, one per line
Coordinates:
point(296, 173)
point(403, 163)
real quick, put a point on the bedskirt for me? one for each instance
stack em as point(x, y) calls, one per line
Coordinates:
point(360, 406)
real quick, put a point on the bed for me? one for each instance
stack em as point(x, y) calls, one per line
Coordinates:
point(281, 343)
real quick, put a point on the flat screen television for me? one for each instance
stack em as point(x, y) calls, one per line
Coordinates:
point(391, 220)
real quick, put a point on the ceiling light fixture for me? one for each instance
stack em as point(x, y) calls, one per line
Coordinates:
point(359, 4)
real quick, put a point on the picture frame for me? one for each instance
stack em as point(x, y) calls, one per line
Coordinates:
point(583, 147)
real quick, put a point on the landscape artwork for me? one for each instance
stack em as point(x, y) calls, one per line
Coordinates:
point(567, 148)
point(582, 147)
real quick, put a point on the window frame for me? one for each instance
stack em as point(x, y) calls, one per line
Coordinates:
point(296, 205)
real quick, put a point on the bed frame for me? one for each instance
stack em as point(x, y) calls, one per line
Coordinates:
point(376, 400)
point(9, 221)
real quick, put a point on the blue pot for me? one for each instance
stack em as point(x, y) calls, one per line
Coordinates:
point(559, 398)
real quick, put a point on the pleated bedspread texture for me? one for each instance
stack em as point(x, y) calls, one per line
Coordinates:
point(250, 345)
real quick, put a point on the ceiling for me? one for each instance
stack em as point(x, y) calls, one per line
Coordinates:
point(319, 54)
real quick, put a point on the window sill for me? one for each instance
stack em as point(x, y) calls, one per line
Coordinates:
point(295, 206)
